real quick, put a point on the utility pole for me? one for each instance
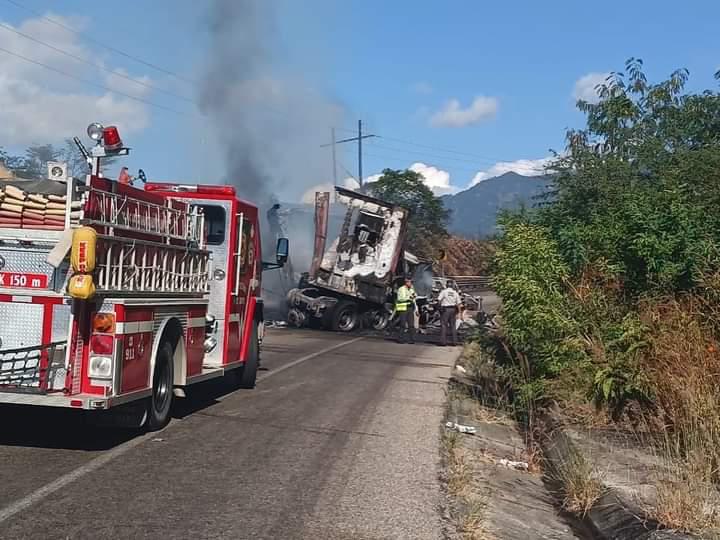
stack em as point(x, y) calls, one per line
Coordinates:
point(332, 138)
point(359, 140)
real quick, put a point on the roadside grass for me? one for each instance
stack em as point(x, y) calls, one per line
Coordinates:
point(459, 470)
point(683, 366)
point(468, 507)
point(472, 524)
point(687, 496)
point(580, 483)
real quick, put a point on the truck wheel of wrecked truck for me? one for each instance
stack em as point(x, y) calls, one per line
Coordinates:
point(377, 319)
point(344, 317)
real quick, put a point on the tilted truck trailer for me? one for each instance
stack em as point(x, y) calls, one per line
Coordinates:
point(138, 294)
point(351, 282)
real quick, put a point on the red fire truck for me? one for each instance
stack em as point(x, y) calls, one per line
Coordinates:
point(116, 297)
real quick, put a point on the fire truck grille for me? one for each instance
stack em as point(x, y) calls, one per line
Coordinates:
point(30, 369)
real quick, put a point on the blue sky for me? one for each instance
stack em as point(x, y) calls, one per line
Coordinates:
point(412, 70)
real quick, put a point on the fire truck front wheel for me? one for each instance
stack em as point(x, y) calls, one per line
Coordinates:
point(162, 389)
point(247, 374)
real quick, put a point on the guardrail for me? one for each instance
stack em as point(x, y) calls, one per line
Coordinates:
point(473, 283)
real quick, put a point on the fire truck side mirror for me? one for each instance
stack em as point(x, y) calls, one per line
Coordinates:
point(282, 251)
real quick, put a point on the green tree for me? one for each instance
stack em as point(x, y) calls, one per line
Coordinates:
point(33, 164)
point(639, 186)
point(427, 226)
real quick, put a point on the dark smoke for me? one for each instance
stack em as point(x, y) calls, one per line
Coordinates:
point(269, 121)
point(238, 53)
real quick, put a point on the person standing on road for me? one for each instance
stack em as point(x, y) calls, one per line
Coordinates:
point(405, 308)
point(449, 300)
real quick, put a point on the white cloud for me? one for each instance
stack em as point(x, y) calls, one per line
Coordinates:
point(309, 196)
point(422, 87)
point(436, 179)
point(526, 167)
point(453, 115)
point(585, 86)
point(40, 106)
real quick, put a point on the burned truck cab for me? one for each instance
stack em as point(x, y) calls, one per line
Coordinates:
point(351, 281)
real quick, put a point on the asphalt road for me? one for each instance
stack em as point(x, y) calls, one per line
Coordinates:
point(339, 440)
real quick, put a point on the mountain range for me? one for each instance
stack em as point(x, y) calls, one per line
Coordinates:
point(475, 210)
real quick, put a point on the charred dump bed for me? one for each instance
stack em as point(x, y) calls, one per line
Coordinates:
point(351, 282)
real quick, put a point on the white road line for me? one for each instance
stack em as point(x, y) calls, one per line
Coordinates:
point(48, 489)
point(306, 358)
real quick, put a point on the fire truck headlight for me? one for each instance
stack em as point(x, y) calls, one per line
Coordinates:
point(100, 367)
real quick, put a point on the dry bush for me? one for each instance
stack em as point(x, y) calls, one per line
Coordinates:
point(683, 367)
point(467, 257)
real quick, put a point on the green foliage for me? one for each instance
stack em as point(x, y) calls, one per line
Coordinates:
point(620, 379)
point(428, 219)
point(640, 185)
point(529, 278)
point(633, 215)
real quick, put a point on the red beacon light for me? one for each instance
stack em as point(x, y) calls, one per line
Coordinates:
point(111, 139)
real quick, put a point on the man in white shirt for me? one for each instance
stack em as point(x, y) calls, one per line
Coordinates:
point(449, 300)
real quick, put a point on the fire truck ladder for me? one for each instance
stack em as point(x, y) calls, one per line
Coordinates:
point(177, 262)
point(118, 211)
point(135, 266)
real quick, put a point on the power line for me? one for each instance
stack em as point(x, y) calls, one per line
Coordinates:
point(91, 83)
point(404, 161)
point(423, 153)
point(93, 64)
point(98, 42)
point(440, 149)
point(433, 147)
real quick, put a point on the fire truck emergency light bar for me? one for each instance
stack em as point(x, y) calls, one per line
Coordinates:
point(204, 190)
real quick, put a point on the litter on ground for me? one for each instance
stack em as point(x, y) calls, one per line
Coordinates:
point(461, 428)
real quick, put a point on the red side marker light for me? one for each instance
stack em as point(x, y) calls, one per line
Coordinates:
point(76, 403)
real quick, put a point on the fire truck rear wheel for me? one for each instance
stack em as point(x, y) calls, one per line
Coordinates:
point(162, 389)
point(248, 373)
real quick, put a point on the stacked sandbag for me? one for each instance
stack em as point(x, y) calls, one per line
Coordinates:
point(19, 208)
point(11, 207)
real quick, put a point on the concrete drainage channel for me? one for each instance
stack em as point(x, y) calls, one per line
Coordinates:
point(611, 516)
point(496, 488)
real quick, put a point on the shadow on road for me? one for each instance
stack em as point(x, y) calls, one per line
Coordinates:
point(48, 427)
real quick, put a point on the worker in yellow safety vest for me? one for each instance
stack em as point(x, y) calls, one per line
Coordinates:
point(405, 308)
